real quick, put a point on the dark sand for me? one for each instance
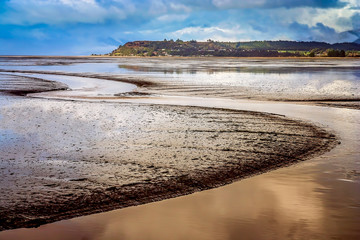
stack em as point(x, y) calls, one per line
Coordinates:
point(22, 85)
point(340, 104)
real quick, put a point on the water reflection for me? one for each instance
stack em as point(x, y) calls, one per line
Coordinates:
point(274, 78)
point(281, 69)
point(280, 205)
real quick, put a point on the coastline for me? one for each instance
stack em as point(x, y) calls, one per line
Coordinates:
point(171, 57)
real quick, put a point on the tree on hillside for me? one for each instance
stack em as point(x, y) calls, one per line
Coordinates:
point(335, 53)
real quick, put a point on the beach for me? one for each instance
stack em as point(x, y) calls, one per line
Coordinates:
point(94, 148)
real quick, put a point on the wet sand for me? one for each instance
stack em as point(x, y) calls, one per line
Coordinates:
point(67, 159)
point(314, 199)
point(264, 139)
point(22, 85)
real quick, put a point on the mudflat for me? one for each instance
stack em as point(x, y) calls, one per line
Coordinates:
point(62, 159)
point(68, 157)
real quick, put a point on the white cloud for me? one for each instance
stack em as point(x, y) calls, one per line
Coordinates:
point(173, 17)
point(338, 19)
point(352, 3)
point(239, 4)
point(24, 12)
point(180, 7)
point(217, 33)
point(74, 3)
point(157, 7)
point(231, 4)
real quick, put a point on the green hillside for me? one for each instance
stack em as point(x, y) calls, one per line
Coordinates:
point(237, 49)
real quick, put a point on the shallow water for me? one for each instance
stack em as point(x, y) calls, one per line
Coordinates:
point(316, 199)
point(278, 78)
point(82, 86)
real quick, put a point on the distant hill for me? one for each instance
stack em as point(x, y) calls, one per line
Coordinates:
point(236, 49)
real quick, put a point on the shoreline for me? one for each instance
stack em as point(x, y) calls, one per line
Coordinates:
point(169, 57)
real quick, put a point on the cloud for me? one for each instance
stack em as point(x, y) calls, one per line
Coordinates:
point(338, 19)
point(319, 32)
point(56, 12)
point(353, 3)
point(180, 7)
point(30, 12)
point(87, 26)
point(173, 17)
point(218, 33)
point(278, 4)
point(355, 21)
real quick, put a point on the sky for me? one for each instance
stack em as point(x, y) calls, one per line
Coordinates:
point(83, 27)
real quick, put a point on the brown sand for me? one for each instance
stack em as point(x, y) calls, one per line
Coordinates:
point(62, 159)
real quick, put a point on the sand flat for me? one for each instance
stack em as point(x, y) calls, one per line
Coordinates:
point(62, 159)
point(75, 155)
